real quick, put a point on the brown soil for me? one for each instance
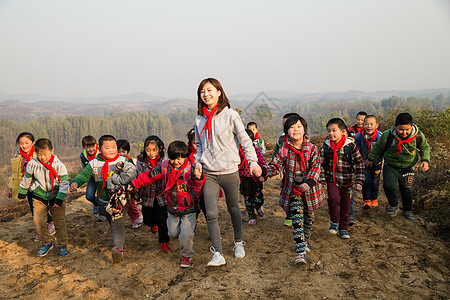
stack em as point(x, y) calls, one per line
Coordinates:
point(386, 258)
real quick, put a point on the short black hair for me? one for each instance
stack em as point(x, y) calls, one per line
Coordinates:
point(153, 139)
point(191, 136)
point(371, 116)
point(24, 134)
point(288, 115)
point(123, 144)
point(361, 113)
point(252, 124)
point(88, 140)
point(178, 149)
point(404, 119)
point(250, 134)
point(104, 138)
point(293, 120)
point(339, 122)
point(42, 144)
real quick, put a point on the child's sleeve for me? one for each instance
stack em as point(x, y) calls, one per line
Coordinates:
point(127, 174)
point(198, 184)
point(147, 178)
point(314, 173)
point(198, 143)
point(424, 148)
point(378, 147)
point(261, 159)
point(322, 164)
point(358, 163)
point(275, 166)
point(63, 185)
point(83, 176)
point(26, 182)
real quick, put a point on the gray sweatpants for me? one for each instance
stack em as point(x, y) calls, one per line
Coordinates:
point(182, 228)
point(230, 186)
point(117, 226)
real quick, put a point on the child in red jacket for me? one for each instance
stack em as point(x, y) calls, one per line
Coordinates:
point(182, 189)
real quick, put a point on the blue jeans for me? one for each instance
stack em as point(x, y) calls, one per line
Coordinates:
point(371, 184)
point(182, 228)
point(91, 190)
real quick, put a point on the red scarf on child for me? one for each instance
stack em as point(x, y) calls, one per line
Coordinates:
point(28, 156)
point(153, 162)
point(369, 142)
point(209, 115)
point(406, 141)
point(335, 148)
point(173, 176)
point(194, 150)
point(91, 157)
point(257, 136)
point(53, 172)
point(105, 169)
point(300, 153)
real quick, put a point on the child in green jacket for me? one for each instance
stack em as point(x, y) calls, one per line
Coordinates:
point(401, 147)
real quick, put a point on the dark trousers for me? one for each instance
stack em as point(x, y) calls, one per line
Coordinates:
point(371, 184)
point(339, 205)
point(404, 179)
point(157, 216)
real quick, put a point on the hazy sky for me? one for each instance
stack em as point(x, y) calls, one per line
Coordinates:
point(165, 48)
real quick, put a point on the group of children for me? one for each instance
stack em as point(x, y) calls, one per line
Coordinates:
point(222, 155)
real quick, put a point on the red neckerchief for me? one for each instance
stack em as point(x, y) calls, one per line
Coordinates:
point(209, 115)
point(300, 153)
point(28, 156)
point(406, 141)
point(336, 147)
point(257, 136)
point(194, 150)
point(374, 136)
point(173, 176)
point(105, 169)
point(53, 172)
point(243, 155)
point(153, 162)
point(358, 130)
point(91, 157)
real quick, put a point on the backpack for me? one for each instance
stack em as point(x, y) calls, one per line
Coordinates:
point(347, 154)
point(390, 139)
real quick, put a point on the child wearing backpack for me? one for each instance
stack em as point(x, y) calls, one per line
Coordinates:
point(181, 189)
point(301, 193)
point(365, 140)
point(341, 167)
point(401, 146)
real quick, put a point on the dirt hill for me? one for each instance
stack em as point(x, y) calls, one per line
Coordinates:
point(386, 258)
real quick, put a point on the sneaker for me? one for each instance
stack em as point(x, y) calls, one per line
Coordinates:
point(63, 250)
point(239, 251)
point(367, 204)
point(333, 228)
point(392, 211)
point(260, 212)
point(44, 249)
point(137, 223)
point(117, 255)
point(409, 215)
point(288, 222)
point(301, 258)
point(252, 222)
point(307, 247)
point(217, 259)
point(351, 221)
point(343, 234)
point(165, 247)
point(185, 262)
point(101, 218)
point(154, 229)
point(374, 203)
point(95, 209)
point(51, 228)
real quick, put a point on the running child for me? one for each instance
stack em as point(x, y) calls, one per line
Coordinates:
point(181, 189)
point(46, 176)
point(154, 205)
point(301, 192)
point(258, 140)
point(341, 167)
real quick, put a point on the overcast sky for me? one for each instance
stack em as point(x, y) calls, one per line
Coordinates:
point(165, 48)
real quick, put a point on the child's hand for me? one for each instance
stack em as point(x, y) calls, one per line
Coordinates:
point(9, 194)
point(256, 171)
point(304, 187)
point(368, 163)
point(424, 166)
point(73, 186)
point(198, 171)
point(358, 187)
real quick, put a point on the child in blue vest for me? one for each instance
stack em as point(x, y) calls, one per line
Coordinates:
point(365, 140)
point(181, 189)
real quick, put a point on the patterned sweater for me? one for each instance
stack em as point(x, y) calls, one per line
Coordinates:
point(149, 192)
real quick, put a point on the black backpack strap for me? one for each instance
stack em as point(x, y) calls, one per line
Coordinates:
point(389, 140)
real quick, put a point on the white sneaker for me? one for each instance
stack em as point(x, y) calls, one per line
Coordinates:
point(217, 259)
point(238, 248)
